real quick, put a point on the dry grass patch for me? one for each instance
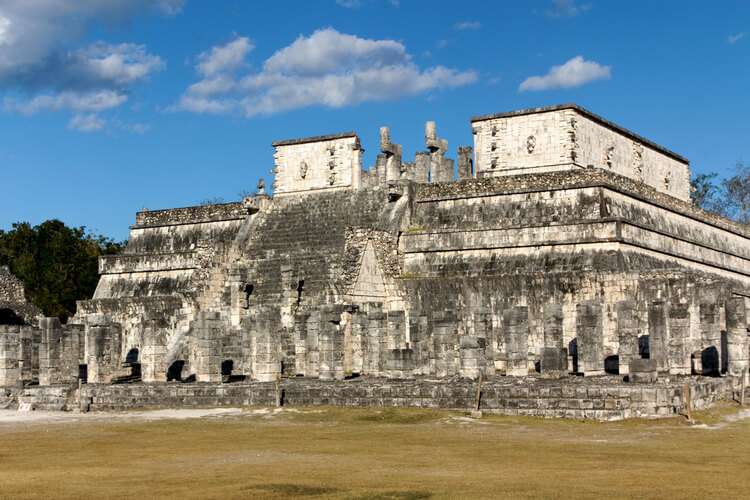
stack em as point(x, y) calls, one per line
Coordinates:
point(374, 453)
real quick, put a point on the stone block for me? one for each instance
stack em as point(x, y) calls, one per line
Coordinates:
point(554, 362)
point(643, 371)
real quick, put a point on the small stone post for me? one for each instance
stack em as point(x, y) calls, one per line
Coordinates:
point(465, 162)
point(10, 336)
point(49, 351)
point(422, 166)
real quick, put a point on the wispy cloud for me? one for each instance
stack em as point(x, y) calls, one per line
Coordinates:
point(467, 25)
point(566, 8)
point(573, 73)
point(86, 123)
point(735, 38)
point(356, 4)
point(443, 43)
point(327, 68)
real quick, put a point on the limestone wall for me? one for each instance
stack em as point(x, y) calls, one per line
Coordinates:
point(568, 137)
point(317, 163)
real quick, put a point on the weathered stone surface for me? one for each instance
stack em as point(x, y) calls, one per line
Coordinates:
point(642, 371)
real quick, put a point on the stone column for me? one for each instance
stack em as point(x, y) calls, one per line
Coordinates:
point(26, 353)
point(71, 351)
point(154, 349)
point(103, 353)
point(444, 336)
point(207, 332)
point(396, 330)
point(516, 323)
point(553, 325)
point(10, 338)
point(380, 164)
point(393, 155)
point(590, 338)
point(485, 335)
point(312, 345)
point(678, 351)
point(267, 354)
point(331, 345)
point(377, 332)
point(49, 351)
point(657, 334)
point(710, 338)
point(627, 333)
point(422, 166)
point(737, 336)
point(465, 162)
point(419, 342)
point(358, 340)
point(471, 353)
point(441, 168)
point(399, 363)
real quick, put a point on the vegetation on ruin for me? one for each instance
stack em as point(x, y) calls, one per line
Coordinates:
point(57, 264)
point(730, 197)
point(354, 453)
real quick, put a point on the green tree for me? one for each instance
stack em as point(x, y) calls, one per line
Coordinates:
point(57, 264)
point(735, 194)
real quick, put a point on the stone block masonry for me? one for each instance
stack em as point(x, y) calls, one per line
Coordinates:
point(566, 244)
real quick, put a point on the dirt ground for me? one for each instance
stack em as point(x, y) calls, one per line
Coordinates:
point(369, 453)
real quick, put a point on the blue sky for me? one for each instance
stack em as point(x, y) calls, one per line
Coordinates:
point(111, 105)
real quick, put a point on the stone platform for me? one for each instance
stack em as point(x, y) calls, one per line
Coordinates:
point(601, 398)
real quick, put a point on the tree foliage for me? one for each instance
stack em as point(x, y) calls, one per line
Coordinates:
point(730, 198)
point(57, 264)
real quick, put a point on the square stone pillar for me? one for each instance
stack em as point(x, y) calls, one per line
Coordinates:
point(396, 330)
point(590, 338)
point(267, 349)
point(154, 349)
point(657, 334)
point(399, 363)
point(103, 361)
point(419, 342)
point(465, 162)
point(441, 168)
point(711, 353)
point(471, 355)
point(10, 338)
point(422, 166)
point(516, 323)
point(553, 325)
point(331, 345)
point(49, 351)
point(358, 340)
point(485, 335)
point(26, 353)
point(207, 331)
point(678, 351)
point(554, 362)
point(444, 337)
point(312, 345)
point(627, 333)
point(71, 351)
point(737, 337)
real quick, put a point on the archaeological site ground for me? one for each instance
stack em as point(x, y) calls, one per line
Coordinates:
point(558, 262)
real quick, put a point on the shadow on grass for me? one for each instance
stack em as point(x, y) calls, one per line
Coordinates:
point(396, 416)
point(395, 495)
point(290, 490)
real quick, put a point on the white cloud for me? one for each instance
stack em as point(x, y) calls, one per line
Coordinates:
point(91, 102)
point(443, 43)
point(40, 55)
point(224, 58)
point(467, 25)
point(86, 123)
point(327, 68)
point(734, 38)
point(573, 73)
point(567, 8)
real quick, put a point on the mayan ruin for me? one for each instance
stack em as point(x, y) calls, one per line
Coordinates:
point(558, 258)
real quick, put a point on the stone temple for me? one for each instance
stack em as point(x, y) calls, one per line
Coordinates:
point(559, 245)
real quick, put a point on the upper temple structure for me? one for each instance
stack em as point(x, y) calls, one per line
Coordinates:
point(560, 243)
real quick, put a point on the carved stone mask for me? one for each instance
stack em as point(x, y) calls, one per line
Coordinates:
point(303, 169)
point(530, 144)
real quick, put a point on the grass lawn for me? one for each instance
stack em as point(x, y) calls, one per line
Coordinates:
point(368, 453)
